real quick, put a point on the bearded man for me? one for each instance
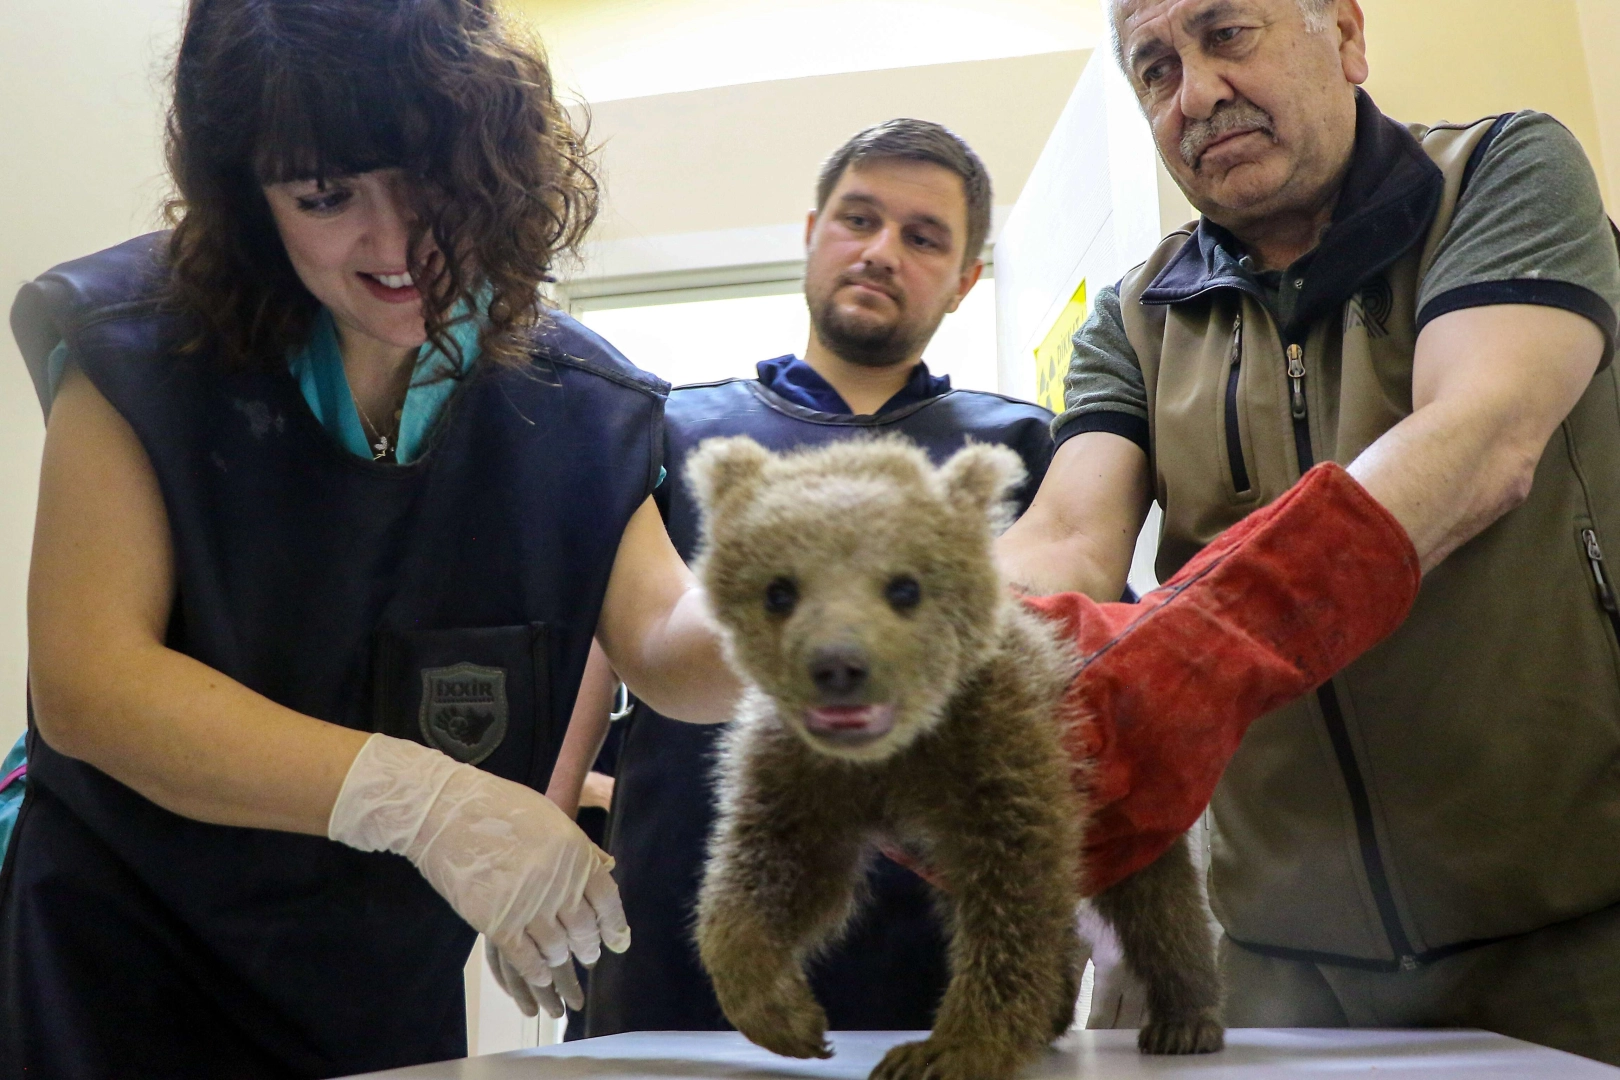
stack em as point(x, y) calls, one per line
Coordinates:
point(1429, 838)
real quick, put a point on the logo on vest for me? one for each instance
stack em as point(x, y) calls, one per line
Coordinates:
point(464, 710)
point(1371, 308)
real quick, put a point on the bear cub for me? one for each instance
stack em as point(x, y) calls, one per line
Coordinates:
point(897, 695)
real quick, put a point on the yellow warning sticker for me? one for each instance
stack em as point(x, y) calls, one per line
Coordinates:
point(1053, 353)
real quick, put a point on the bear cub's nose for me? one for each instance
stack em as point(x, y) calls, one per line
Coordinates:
point(839, 671)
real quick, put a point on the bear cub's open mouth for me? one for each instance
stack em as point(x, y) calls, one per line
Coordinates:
point(849, 725)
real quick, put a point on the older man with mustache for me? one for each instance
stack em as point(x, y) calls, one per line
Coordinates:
point(1430, 837)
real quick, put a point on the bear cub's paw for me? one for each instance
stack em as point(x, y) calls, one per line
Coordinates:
point(1201, 1034)
point(789, 1022)
point(937, 1059)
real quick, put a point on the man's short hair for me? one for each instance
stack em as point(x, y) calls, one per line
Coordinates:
point(918, 140)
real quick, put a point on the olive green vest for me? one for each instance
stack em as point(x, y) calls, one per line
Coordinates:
point(1461, 782)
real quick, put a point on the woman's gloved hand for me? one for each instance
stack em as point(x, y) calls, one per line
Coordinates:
point(564, 988)
point(505, 857)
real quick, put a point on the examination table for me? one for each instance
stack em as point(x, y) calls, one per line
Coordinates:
point(1254, 1054)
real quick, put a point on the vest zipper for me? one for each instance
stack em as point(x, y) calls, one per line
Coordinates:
point(1296, 397)
point(1234, 437)
point(1327, 696)
point(1296, 378)
point(1605, 588)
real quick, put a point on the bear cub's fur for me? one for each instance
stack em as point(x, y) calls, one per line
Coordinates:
point(898, 695)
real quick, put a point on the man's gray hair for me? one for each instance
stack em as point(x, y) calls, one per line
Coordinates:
point(1318, 17)
point(1318, 14)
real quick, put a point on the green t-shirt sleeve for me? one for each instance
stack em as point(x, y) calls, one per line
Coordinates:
point(1104, 389)
point(1530, 229)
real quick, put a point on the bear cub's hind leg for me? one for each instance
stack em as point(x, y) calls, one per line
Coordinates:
point(1159, 918)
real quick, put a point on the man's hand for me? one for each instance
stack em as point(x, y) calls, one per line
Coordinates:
point(1080, 532)
point(1490, 385)
point(597, 791)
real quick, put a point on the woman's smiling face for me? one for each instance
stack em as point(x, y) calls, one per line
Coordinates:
point(348, 238)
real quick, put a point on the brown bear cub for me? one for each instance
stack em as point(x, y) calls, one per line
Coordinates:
point(898, 695)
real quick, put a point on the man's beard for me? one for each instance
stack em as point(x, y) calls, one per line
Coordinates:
point(864, 344)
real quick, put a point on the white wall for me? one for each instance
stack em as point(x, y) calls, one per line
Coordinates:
point(723, 177)
point(80, 121)
point(1095, 205)
point(1090, 210)
point(1600, 34)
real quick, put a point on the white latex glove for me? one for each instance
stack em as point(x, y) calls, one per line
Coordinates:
point(505, 857)
point(530, 1000)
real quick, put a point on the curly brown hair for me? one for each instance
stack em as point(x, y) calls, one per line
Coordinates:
point(267, 91)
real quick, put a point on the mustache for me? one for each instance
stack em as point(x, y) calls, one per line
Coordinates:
point(1228, 119)
point(880, 282)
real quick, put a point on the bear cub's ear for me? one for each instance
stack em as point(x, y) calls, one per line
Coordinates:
point(978, 478)
point(725, 467)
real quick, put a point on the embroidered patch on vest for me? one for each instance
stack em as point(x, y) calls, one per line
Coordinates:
point(464, 710)
point(1371, 307)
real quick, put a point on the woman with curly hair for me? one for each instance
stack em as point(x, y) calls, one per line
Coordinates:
point(330, 513)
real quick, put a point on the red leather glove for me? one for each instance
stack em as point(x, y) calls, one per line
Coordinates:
point(1168, 686)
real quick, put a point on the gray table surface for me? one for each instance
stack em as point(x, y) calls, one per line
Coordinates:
point(1255, 1054)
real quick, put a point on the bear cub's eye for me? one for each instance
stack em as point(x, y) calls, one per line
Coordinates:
point(781, 596)
point(903, 593)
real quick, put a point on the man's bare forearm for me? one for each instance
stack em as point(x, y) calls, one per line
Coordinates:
point(1042, 560)
point(1080, 532)
point(1444, 479)
point(1490, 387)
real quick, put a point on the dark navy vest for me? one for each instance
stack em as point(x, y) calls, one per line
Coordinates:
point(451, 601)
point(890, 971)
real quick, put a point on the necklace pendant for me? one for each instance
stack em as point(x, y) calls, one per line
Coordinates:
point(381, 448)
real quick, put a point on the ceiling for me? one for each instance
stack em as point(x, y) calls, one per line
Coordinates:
point(604, 50)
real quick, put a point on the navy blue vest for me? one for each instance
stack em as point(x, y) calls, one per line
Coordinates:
point(891, 970)
point(451, 601)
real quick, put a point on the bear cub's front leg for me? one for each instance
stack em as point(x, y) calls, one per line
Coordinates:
point(780, 882)
point(1015, 953)
point(761, 986)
